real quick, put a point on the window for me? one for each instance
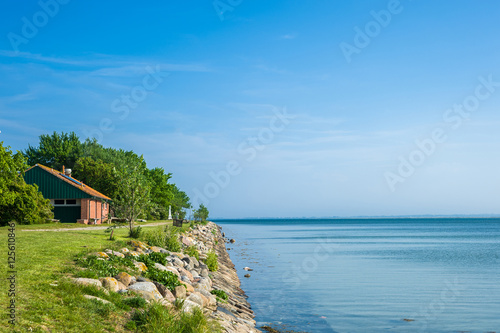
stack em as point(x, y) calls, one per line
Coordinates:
point(58, 202)
point(71, 202)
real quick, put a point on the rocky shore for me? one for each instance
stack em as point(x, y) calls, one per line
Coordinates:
point(199, 286)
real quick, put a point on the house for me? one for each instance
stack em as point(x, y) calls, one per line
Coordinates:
point(73, 201)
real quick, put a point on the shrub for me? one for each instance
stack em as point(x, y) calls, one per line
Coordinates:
point(160, 258)
point(172, 242)
point(101, 268)
point(163, 237)
point(192, 251)
point(135, 232)
point(219, 293)
point(167, 278)
point(211, 261)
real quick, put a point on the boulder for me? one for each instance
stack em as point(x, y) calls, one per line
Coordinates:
point(185, 272)
point(115, 253)
point(195, 261)
point(160, 267)
point(180, 292)
point(247, 275)
point(232, 241)
point(88, 282)
point(110, 283)
point(247, 269)
point(102, 255)
point(97, 299)
point(211, 299)
point(189, 306)
point(146, 290)
point(121, 286)
point(189, 287)
point(134, 253)
point(140, 266)
point(204, 273)
point(155, 249)
point(197, 298)
point(124, 250)
point(173, 270)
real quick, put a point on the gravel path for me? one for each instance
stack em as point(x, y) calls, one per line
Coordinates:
point(95, 228)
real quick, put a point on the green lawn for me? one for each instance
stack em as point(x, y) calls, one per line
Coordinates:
point(43, 258)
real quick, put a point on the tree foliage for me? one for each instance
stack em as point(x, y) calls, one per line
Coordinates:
point(55, 151)
point(121, 175)
point(19, 201)
point(201, 213)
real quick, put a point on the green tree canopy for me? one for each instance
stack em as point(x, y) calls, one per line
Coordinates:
point(19, 201)
point(55, 151)
point(201, 213)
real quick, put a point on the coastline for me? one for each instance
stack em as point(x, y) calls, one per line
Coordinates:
point(236, 315)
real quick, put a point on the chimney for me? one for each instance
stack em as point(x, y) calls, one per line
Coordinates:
point(64, 171)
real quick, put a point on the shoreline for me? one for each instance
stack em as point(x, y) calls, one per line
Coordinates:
point(236, 315)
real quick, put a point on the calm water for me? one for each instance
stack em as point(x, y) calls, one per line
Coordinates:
point(371, 275)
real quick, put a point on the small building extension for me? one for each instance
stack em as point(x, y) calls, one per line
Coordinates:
point(73, 201)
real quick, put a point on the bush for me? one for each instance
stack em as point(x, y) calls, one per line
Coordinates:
point(211, 261)
point(167, 278)
point(172, 242)
point(219, 293)
point(192, 251)
point(163, 237)
point(97, 268)
point(135, 232)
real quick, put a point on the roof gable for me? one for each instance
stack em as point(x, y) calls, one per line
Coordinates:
point(56, 185)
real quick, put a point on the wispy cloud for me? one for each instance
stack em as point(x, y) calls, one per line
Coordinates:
point(109, 65)
point(288, 36)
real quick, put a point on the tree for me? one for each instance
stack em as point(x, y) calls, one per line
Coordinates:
point(180, 201)
point(132, 199)
point(201, 213)
point(99, 175)
point(55, 150)
point(19, 201)
point(161, 194)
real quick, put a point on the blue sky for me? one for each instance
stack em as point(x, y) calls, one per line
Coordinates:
point(282, 109)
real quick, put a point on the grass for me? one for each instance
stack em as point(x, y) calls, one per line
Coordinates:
point(211, 261)
point(154, 318)
point(45, 299)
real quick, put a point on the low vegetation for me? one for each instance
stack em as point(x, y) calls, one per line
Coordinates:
point(46, 300)
point(211, 261)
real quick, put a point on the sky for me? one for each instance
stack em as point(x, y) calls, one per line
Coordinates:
point(271, 109)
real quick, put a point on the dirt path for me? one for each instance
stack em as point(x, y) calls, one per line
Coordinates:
point(97, 228)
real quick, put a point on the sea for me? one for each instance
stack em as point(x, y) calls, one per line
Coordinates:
point(370, 275)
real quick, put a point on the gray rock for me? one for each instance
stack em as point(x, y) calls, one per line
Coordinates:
point(185, 279)
point(97, 299)
point(162, 250)
point(88, 282)
point(195, 262)
point(160, 267)
point(204, 273)
point(195, 298)
point(180, 292)
point(147, 290)
point(143, 279)
point(189, 306)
